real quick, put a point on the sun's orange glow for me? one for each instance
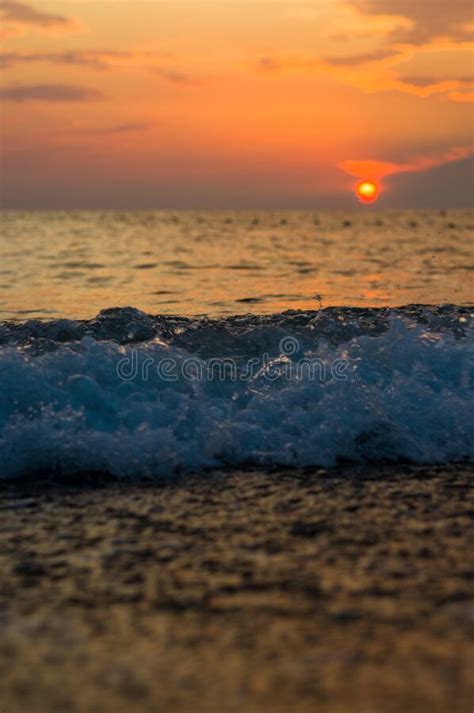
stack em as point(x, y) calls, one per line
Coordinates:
point(367, 192)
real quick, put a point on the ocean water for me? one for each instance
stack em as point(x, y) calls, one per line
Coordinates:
point(75, 264)
point(151, 344)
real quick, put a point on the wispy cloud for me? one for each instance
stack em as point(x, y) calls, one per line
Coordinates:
point(93, 59)
point(428, 19)
point(427, 81)
point(410, 27)
point(378, 170)
point(18, 15)
point(176, 76)
point(27, 15)
point(102, 60)
point(49, 93)
point(357, 59)
point(373, 72)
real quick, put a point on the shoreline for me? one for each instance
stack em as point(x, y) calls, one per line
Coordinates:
point(336, 590)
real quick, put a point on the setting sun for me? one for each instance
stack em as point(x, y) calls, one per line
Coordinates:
point(367, 192)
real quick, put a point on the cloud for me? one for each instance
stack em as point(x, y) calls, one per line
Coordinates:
point(175, 76)
point(93, 59)
point(405, 29)
point(374, 72)
point(389, 57)
point(427, 24)
point(455, 89)
point(427, 81)
point(356, 59)
point(17, 15)
point(26, 15)
point(100, 60)
point(377, 170)
point(429, 19)
point(49, 93)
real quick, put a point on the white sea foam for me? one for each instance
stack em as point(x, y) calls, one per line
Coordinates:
point(406, 393)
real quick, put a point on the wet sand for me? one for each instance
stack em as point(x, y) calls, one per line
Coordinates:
point(325, 591)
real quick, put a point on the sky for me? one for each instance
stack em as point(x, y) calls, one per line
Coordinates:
point(235, 103)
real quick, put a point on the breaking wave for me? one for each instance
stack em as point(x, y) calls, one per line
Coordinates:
point(75, 396)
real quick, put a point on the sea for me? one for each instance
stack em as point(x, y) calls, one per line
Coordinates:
point(151, 344)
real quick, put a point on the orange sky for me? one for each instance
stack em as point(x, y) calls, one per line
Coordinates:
point(112, 103)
